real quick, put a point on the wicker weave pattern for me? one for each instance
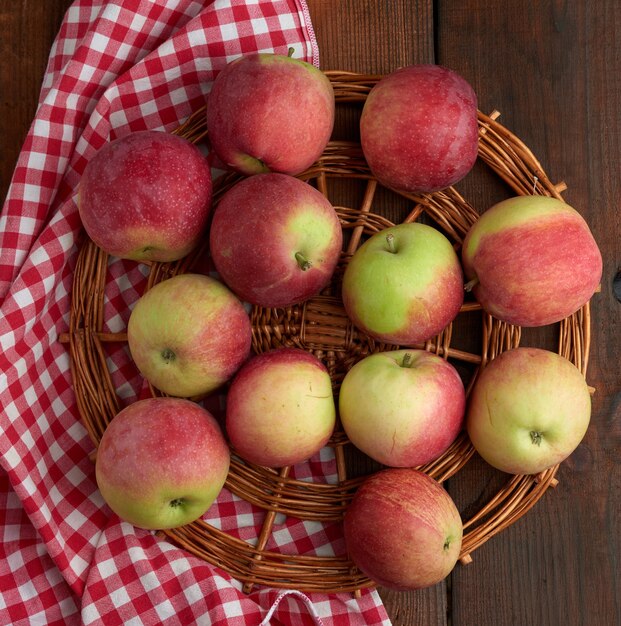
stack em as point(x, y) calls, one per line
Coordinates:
point(322, 327)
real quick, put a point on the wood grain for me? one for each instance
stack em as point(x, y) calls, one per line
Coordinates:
point(372, 36)
point(377, 37)
point(28, 30)
point(552, 69)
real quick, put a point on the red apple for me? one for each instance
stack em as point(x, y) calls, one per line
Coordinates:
point(404, 284)
point(188, 335)
point(280, 408)
point(531, 260)
point(402, 408)
point(146, 196)
point(275, 240)
point(403, 530)
point(161, 463)
point(419, 130)
point(528, 410)
point(269, 112)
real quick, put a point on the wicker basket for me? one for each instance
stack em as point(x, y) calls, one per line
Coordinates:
point(322, 327)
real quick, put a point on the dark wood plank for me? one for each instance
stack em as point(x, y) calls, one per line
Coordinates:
point(553, 70)
point(376, 37)
point(372, 36)
point(28, 30)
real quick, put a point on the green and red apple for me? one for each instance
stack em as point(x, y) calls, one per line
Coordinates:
point(280, 408)
point(404, 284)
point(161, 463)
point(419, 129)
point(531, 260)
point(403, 530)
point(146, 196)
point(403, 408)
point(275, 240)
point(270, 113)
point(188, 335)
point(528, 410)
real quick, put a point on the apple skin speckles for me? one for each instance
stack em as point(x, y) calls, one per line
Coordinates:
point(146, 197)
point(419, 128)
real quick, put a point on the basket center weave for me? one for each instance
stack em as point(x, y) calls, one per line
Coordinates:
point(325, 325)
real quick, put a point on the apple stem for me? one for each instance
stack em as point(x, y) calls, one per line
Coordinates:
point(407, 360)
point(303, 262)
point(536, 437)
point(469, 286)
point(290, 52)
point(390, 242)
point(168, 355)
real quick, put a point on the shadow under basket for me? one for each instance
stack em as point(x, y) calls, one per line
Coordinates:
point(321, 326)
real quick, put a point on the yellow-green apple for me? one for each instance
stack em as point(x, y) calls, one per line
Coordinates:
point(270, 113)
point(402, 408)
point(403, 530)
point(419, 130)
point(161, 462)
point(531, 260)
point(275, 240)
point(146, 196)
point(280, 408)
point(188, 335)
point(529, 409)
point(404, 284)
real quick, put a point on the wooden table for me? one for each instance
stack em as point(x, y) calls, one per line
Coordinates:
point(553, 69)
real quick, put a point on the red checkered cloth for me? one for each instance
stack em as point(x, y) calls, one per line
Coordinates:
point(118, 67)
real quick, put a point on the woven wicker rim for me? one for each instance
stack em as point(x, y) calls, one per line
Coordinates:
point(321, 326)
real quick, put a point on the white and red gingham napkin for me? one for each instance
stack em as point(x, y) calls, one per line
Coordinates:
point(117, 67)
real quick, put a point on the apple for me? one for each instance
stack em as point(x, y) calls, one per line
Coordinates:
point(146, 196)
point(404, 284)
point(188, 335)
point(270, 113)
point(161, 462)
point(419, 130)
point(531, 260)
point(275, 240)
point(403, 530)
point(280, 408)
point(403, 408)
point(528, 410)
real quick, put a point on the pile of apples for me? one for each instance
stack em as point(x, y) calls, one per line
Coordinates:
point(275, 241)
